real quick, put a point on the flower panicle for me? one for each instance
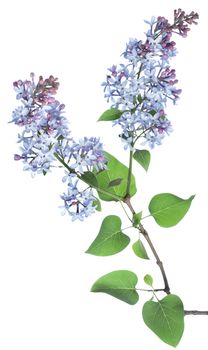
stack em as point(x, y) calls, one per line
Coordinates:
point(45, 135)
point(42, 120)
point(142, 87)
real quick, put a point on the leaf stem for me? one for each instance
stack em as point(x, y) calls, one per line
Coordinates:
point(150, 290)
point(124, 209)
point(126, 228)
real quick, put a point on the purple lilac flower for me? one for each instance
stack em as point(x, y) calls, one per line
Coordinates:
point(45, 139)
point(79, 204)
point(142, 87)
point(85, 155)
point(42, 120)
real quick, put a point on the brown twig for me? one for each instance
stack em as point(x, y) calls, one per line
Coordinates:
point(158, 261)
point(195, 312)
point(166, 289)
point(141, 229)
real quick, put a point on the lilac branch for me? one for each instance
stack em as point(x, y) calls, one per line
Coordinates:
point(166, 289)
point(195, 312)
point(141, 229)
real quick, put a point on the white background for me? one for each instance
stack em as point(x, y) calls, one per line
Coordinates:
point(45, 276)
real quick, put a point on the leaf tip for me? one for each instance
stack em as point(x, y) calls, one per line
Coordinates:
point(92, 289)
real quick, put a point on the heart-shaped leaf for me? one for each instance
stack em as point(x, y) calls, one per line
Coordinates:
point(89, 178)
point(148, 280)
point(140, 250)
point(168, 209)
point(143, 158)
point(110, 114)
point(165, 318)
point(120, 284)
point(110, 239)
point(115, 170)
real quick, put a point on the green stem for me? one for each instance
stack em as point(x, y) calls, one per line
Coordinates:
point(129, 174)
point(147, 216)
point(139, 72)
point(124, 209)
point(150, 290)
point(63, 163)
point(126, 228)
point(143, 132)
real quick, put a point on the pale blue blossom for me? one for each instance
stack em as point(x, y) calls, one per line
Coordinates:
point(78, 203)
point(142, 87)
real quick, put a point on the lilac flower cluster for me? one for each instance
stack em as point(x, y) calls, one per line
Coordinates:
point(80, 157)
point(45, 139)
point(78, 204)
point(42, 120)
point(142, 87)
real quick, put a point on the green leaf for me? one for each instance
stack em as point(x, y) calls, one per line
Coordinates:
point(140, 99)
point(168, 209)
point(110, 114)
point(97, 204)
point(137, 218)
point(148, 280)
point(152, 112)
point(110, 239)
point(142, 157)
point(115, 182)
point(165, 318)
point(115, 170)
point(89, 178)
point(60, 138)
point(120, 284)
point(140, 250)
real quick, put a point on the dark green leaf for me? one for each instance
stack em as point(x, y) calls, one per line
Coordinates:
point(168, 209)
point(97, 204)
point(165, 318)
point(148, 280)
point(120, 284)
point(140, 250)
point(152, 112)
point(115, 170)
point(115, 182)
point(89, 178)
point(60, 138)
point(143, 158)
point(110, 114)
point(134, 100)
point(140, 99)
point(137, 218)
point(110, 239)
